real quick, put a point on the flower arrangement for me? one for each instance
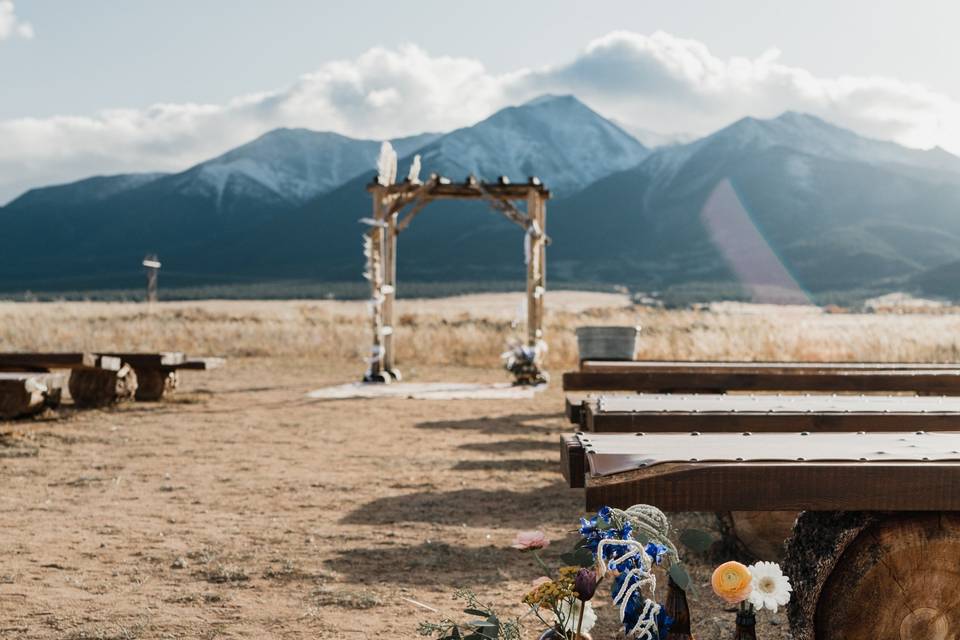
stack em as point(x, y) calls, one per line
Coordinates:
point(759, 586)
point(623, 548)
point(523, 361)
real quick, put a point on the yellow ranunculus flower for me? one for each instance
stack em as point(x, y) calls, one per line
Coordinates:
point(732, 582)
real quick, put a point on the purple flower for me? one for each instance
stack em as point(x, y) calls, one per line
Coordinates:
point(585, 583)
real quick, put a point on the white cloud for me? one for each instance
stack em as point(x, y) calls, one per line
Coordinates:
point(10, 25)
point(658, 82)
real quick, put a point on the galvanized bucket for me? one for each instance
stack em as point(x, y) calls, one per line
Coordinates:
point(608, 343)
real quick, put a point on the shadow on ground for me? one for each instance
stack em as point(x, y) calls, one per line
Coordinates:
point(554, 503)
point(543, 466)
point(444, 564)
point(500, 425)
point(513, 446)
point(430, 563)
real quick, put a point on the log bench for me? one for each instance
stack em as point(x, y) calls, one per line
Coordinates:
point(158, 373)
point(24, 393)
point(96, 380)
point(873, 553)
point(753, 534)
point(767, 413)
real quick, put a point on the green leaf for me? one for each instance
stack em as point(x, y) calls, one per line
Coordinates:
point(581, 557)
point(476, 612)
point(696, 540)
point(680, 576)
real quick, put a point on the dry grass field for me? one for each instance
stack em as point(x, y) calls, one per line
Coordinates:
point(239, 508)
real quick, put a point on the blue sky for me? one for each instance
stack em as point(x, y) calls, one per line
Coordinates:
point(100, 87)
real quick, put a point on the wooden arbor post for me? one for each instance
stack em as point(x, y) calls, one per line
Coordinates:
point(391, 216)
point(536, 267)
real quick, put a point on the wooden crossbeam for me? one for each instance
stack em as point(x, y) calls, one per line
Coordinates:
point(78, 360)
point(447, 189)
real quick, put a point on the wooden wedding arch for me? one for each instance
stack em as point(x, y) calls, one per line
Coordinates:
point(396, 204)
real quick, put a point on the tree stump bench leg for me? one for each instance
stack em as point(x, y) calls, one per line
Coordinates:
point(875, 576)
point(154, 383)
point(27, 393)
point(756, 535)
point(93, 387)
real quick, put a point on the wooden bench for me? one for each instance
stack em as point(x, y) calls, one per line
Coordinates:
point(872, 555)
point(157, 373)
point(95, 379)
point(24, 393)
point(721, 377)
point(654, 413)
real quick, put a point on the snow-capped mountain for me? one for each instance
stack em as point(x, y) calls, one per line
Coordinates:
point(94, 189)
point(294, 165)
point(834, 210)
point(557, 138)
point(802, 133)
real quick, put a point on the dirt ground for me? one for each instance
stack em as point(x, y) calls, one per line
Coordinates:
point(239, 508)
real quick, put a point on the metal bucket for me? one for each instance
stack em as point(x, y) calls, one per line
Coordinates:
point(608, 343)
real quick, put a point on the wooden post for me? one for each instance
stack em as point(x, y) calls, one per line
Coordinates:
point(389, 293)
point(533, 269)
point(376, 373)
point(541, 290)
point(152, 265)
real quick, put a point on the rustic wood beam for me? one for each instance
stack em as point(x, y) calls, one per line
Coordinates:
point(448, 189)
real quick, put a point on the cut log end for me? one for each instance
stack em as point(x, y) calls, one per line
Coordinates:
point(101, 387)
point(153, 384)
point(756, 535)
point(875, 576)
point(23, 394)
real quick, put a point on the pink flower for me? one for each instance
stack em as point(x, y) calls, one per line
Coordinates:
point(530, 540)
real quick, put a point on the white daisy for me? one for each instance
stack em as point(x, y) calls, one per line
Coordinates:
point(770, 588)
point(570, 608)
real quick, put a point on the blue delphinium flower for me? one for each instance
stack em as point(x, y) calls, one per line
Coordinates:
point(656, 550)
point(602, 527)
point(637, 611)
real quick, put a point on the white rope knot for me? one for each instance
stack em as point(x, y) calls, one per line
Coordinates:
point(640, 579)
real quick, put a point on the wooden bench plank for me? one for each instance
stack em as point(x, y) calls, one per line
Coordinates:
point(922, 381)
point(202, 364)
point(77, 360)
point(903, 471)
point(152, 360)
point(745, 366)
point(764, 413)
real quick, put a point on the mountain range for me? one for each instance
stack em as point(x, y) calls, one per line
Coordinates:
point(782, 209)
